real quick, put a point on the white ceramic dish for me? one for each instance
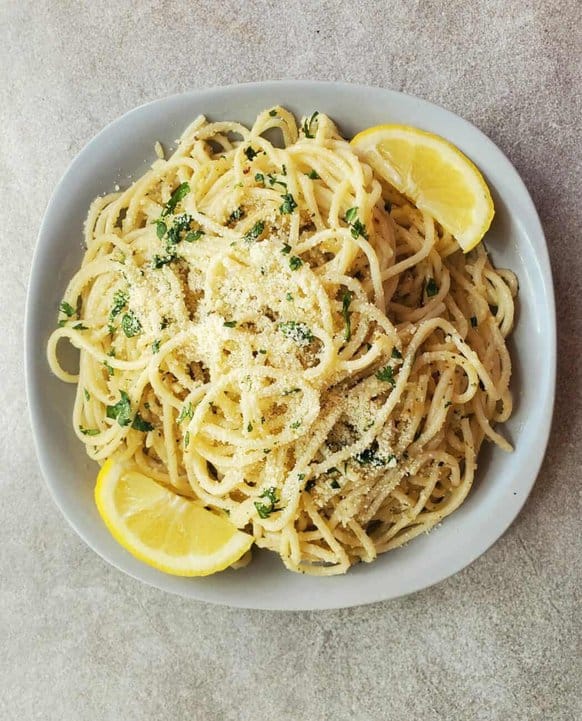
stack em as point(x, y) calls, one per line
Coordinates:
point(125, 147)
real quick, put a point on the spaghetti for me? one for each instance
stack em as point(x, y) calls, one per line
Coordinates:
point(279, 335)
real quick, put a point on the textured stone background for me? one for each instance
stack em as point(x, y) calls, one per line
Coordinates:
point(501, 640)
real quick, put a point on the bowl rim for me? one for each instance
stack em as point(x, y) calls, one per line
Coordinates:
point(33, 388)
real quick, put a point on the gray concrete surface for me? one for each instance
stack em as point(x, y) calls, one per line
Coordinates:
point(501, 640)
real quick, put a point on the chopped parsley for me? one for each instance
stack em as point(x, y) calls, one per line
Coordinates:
point(289, 296)
point(295, 262)
point(369, 456)
point(254, 232)
point(273, 180)
point(80, 326)
point(186, 412)
point(474, 321)
point(155, 346)
point(386, 374)
point(313, 174)
point(270, 506)
point(67, 309)
point(229, 323)
point(307, 123)
point(286, 249)
point(109, 367)
point(120, 300)
point(186, 439)
point(249, 427)
point(431, 287)
point(139, 424)
point(193, 235)
point(260, 178)
point(288, 205)
point(236, 214)
point(296, 331)
point(179, 194)
point(86, 394)
point(295, 424)
point(251, 152)
point(121, 411)
point(289, 391)
point(130, 324)
point(89, 431)
point(357, 228)
point(161, 228)
point(346, 313)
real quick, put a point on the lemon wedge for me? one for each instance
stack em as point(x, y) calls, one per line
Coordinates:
point(165, 530)
point(434, 174)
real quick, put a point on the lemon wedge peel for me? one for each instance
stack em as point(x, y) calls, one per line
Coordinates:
point(163, 529)
point(434, 174)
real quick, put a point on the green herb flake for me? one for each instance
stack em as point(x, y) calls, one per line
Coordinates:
point(307, 123)
point(251, 152)
point(155, 346)
point(295, 424)
point(89, 431)
point(139, 424)
point(358, 228)
point(335, 484)
point(80, 326)
point(431, 287)
point(351, 214)
point(260, 178)
point(263, 351)
point(369, 457)
point(255, 232)
point(249, 427)
point(286, 249)
point(130, 324)
point(313, 174)
point(289, 391)
point(296, 331)
point(229, 323)
point(161, 228)
point(193, 236)
point(109, 368)
point(86, 394)
point(273, 113)
point(288, 205)
point(265, 509)
point(187, 412)
point(396, 353)
point(289, 296)
point(121, 411)
point(448, 403)
point(346, 313)
point(187, 439)
point(295, 262)
point(236, 215)
point(301, 476)
point(67, 309)
point(120, 301)
point(386, 374)
point(179, 194)
point(283, 169)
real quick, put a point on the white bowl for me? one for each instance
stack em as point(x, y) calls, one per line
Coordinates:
point(516, 240)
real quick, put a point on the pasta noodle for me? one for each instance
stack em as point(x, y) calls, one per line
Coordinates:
point(268, 328)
